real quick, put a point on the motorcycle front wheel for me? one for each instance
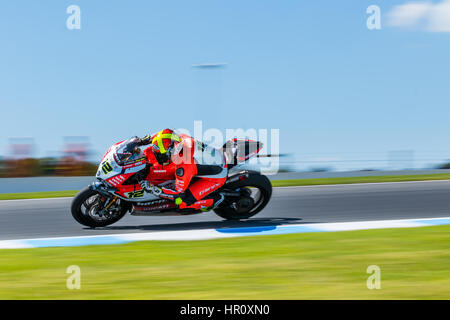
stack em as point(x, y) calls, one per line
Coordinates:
point(91, 209)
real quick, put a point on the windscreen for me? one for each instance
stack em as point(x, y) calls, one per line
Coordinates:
point(128, 152)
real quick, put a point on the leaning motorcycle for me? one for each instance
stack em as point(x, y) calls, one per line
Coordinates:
point(117, 190)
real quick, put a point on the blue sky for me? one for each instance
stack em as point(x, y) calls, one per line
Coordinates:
point(336, 90)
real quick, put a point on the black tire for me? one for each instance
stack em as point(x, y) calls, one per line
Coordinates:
point(86, 220)
point(255, 180)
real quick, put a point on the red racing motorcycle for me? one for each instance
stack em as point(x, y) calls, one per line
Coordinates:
point(117, 190)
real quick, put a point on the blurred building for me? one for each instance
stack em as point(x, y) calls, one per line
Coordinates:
point(76, 148)
point(21, 148)
point(74, 157)
point(20, 161)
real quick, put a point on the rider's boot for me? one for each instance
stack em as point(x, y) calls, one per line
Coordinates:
point(208, 203)
point(218, 199)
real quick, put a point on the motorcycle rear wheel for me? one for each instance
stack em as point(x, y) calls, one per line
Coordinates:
point(240, 209)
point(85, 208)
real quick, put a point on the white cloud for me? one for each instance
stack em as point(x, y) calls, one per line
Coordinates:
point(439, 20)
point(433, 17)
point(409, 14)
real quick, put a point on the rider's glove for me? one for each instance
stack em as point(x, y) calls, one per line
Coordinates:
point(145, 185)
point(156, 190)
point(150, 188)
point(146, 140)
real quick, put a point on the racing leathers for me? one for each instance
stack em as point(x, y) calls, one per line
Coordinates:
point(198, 170)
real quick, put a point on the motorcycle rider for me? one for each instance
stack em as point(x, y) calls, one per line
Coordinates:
point(196, 178)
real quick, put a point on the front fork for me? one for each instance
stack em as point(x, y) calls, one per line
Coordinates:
point(111, 203)
point(107, 192)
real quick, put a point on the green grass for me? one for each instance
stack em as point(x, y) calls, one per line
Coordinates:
point(37, 195)
point(276, 183)
point(371, 179)
point(414, 265)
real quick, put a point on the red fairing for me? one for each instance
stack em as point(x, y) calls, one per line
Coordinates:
point(251, 154)
point(203, 187)
point(198, 204)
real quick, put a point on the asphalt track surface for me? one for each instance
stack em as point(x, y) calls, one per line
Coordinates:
point(40, 218)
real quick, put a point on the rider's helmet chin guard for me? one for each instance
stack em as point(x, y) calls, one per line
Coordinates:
point(163, 144)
